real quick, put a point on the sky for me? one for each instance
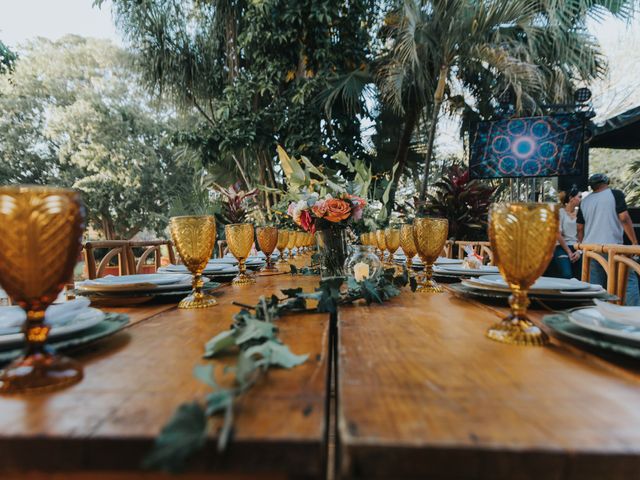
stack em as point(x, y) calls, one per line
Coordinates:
point(21, 20)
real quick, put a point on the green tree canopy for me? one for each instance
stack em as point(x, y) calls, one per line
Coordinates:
point(72, 114)
point(255, 71)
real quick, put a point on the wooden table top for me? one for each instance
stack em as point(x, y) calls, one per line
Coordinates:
point(422, 393)
point(135, 380)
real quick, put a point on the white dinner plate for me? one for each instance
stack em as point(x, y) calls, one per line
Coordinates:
point(458, 270)
point(542, 284)
point(135, 283)
point(85, 319)
point(591, 319)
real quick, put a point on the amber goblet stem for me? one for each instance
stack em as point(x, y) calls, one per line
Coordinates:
point(198, 283)
point(269, 263)
point(36, 333)
point(519, 302)
point(242, 266)
point(410, 266)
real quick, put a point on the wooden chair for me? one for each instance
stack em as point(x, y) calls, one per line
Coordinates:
point(117, 248)
point(222, 248)
point(461, 244)
point(151, 247)
point(593, 252)
point(447, 251)
point(619, 263)
point(484, 249)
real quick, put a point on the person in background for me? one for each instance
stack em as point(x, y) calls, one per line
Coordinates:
point(603, 219)
point(567, 260)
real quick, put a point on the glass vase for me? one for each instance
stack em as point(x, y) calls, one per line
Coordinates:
point(333, 252)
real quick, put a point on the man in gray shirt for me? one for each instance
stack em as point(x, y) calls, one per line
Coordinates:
point(603, 219)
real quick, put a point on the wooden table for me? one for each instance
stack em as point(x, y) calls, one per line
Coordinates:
point(423, 394)
point(135, 380)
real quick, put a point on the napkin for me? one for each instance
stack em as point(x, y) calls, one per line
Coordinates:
point(12, 318)
point(619, 313)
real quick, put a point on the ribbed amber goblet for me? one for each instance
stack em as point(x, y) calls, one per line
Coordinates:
point(429, 235)
point(408, 245)
point(195, 237)
point(240, 240)
point(283, 239)
point(267, 239)
point(381, 244)
point(40, 239)
point(523, 236)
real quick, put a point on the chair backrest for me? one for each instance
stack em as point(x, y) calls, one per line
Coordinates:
point(447, 251)
point(150, 247)
point(594, 252)
point(619, 263)
point(486, 252)
point(461, 244)
point(116, 248)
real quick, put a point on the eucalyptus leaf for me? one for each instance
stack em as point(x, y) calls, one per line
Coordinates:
point(221, 342)
point(218, 401)
point(181, 437)
point(204, 373)
point(255, 330)
point(276, 353)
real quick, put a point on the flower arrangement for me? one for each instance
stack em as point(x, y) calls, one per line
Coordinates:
point(313, 213)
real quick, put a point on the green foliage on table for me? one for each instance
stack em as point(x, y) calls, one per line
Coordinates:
point(72, 114)
point(253, 340)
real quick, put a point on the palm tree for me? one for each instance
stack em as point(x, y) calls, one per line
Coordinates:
point(535, 50)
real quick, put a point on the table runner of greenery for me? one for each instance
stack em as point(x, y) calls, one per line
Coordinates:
point(253, 338)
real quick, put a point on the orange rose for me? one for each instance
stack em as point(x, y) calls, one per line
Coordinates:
point(337, 210)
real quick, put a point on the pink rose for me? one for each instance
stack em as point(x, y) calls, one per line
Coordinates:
point(292, 209)
point(319, 208)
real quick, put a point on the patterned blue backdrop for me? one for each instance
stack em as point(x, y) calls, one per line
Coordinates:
point(546, 146)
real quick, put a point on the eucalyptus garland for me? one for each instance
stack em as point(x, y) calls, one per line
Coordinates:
point(253, 337)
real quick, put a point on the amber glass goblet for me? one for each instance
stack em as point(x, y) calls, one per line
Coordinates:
point(523, 236)
point(429, 235)
point(195, 237)
point(240, 239)
point(408, 245)
point(291, 243)
point(268, 239)
point(381, 243)
point(392, 242)
point(40, 239)
point(283, 239)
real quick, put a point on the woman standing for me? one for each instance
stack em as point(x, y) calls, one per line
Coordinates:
point(567, 260)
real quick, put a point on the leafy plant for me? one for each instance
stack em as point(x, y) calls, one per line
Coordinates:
point(462, 201)
point(235, 202)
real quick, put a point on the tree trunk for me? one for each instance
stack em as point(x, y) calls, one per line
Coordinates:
point(431, 132)
point(402, 152)
point(107, 228)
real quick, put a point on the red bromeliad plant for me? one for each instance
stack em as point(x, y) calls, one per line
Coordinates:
point(464, 202)
point(235, 202)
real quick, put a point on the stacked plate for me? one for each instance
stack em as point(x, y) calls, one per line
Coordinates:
point(219, 269)
point(545, 289)
point(457, 270)
point(401, 258)
point(72, 323)
point(132, 289)
point(604, 325)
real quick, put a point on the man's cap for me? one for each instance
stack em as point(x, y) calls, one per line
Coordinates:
point(597, 178)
